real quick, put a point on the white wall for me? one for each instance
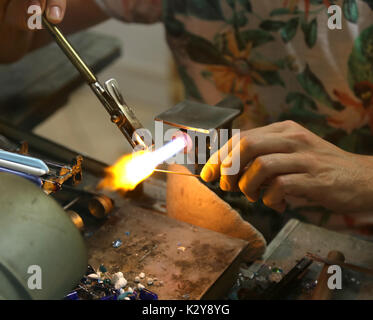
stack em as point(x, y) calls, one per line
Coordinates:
point(145, 63)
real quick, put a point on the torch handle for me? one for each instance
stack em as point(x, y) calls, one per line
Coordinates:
point(69, 51)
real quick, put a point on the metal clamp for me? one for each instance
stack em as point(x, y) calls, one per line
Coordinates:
point(109, 94)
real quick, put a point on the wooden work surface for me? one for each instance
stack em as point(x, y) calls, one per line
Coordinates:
point(297, 238)
point(189, 262)
point(35, 87)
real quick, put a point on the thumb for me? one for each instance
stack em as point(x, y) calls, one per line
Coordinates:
point(55, 10)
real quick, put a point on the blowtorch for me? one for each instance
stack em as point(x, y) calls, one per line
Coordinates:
point(108, 94)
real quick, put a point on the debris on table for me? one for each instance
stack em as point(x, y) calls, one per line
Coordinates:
point(102, 285)
point(153, 251)
point(102, 268)
point(117, 243)
point(120, 283)
point(250, 285)
point(140, 286)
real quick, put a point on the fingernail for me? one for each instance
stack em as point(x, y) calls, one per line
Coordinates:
point(206, 174)
point(54, 13)
point(225, 186)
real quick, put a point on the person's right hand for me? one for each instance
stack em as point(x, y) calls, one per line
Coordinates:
point(14, 13)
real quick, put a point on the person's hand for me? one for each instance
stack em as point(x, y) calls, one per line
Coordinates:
point(289, 162)
point(16, 35)
point(14, 13)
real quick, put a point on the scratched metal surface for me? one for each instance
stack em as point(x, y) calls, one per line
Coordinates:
point(152, 248)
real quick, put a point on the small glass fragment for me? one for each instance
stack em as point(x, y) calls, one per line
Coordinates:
point(93, 276)
point(109, 298)
point(123, 296)
point(72, 296)
point(121, 283)
point(117, 243)
point(140, 286)
point(277, 270)
point(146, 294)
point(102, 268)
point(133, 296)
point(117, 276)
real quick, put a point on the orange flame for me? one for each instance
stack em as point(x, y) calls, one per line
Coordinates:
point(132, 169)
point(128, 172)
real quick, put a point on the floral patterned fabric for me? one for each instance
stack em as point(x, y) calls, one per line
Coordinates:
point(278, 56)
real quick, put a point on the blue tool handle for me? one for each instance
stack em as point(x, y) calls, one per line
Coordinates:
point(40, 167)
point(33, 179)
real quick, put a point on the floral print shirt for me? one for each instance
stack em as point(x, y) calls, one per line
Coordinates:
point(278, 56)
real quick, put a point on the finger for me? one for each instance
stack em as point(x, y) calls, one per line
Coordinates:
point(55, 10)
point(211, 170)
point(294, 185)
point(265, 168)
point(250, 147)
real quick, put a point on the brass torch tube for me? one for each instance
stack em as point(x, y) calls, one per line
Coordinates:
point(70, 52)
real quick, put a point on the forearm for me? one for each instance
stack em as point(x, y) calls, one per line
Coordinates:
point(15, 42)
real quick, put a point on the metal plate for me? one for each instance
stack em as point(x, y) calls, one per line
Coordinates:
point(197, 116)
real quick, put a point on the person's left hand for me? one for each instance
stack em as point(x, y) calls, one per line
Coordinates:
point(289, 162)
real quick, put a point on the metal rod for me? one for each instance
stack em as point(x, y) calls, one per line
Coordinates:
point(70, 52)
point(341, 264)
point(179, 173)
point(71, 203)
